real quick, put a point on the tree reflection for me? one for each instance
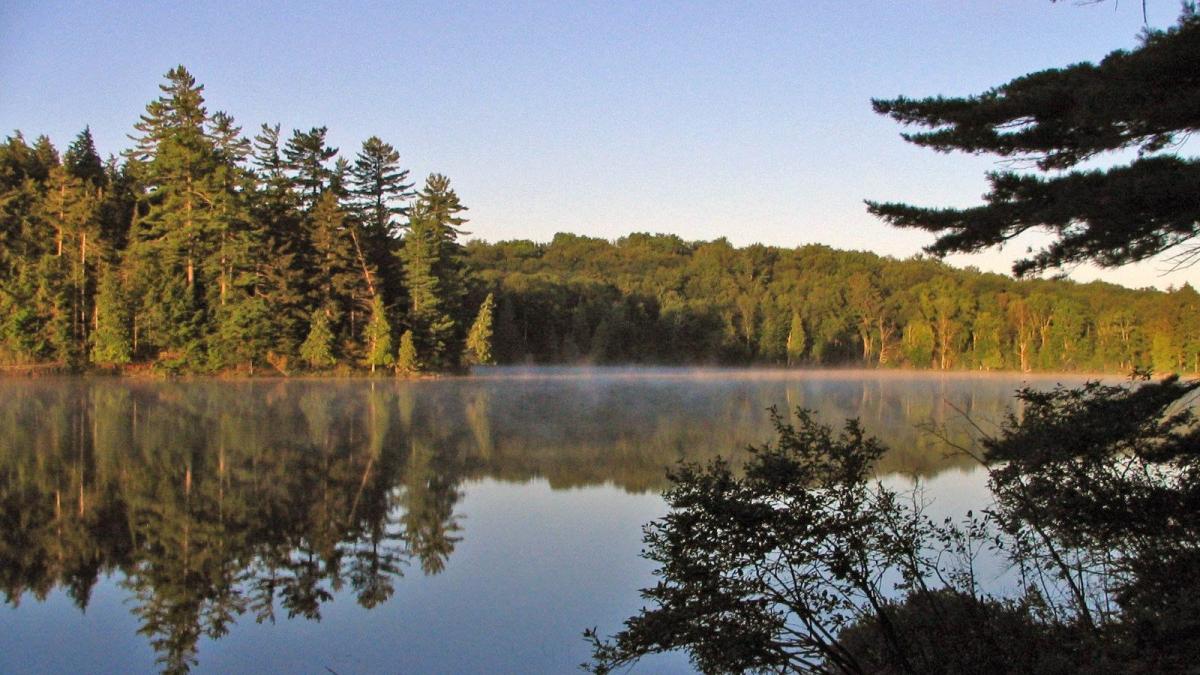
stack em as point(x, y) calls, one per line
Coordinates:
point(214, 501)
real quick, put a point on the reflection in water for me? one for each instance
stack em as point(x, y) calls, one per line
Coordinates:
point(216, 500)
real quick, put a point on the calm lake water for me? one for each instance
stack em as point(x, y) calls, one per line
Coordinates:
point(354, 526)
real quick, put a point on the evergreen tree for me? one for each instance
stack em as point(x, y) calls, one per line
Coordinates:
point(83, 162)
point(69, 211)
point(119, 201)
point(379, 337)
point(317, 348)
point(184, 215)
point(433, 270)
point(111, 341)
point(243, 333)
point(338, 287)
point(45, 157)
point(305, 156)
point(479, 339)
point(280, 277)
point(408, 362)
point(52, 301)
point(1142, 99)
point(379, 187)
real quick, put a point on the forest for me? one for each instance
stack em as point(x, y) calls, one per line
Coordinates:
point(659, 299)
point(204, 250)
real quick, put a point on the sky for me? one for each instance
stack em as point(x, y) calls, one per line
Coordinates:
point(745, 120)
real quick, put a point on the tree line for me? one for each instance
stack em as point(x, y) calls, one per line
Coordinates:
point(658, 298)
point(204, 250)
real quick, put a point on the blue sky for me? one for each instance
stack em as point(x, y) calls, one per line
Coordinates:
point(745, 120)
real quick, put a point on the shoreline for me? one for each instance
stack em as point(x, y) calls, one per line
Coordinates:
point(556, 371)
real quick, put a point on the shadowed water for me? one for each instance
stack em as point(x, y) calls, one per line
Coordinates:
point(457, 525)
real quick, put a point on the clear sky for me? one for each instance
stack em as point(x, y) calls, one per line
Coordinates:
point(750, 121)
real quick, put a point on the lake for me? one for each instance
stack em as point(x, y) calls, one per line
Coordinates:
point(351, 526)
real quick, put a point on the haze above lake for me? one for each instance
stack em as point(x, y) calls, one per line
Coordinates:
point(454, 525)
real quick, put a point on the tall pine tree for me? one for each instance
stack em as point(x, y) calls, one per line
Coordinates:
point(183, 218)
point(433, 270)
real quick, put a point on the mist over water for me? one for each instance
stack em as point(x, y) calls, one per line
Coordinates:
point(456, 525)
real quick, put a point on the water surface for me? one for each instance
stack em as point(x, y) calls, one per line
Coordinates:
point(446, 526)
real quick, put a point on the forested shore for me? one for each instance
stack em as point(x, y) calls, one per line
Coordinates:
point(659, 299)
point(203, 249)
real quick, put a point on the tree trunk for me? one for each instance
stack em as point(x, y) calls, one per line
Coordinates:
point(187, 223)
point(62, 218)
point(885, 332)
point(362, 261)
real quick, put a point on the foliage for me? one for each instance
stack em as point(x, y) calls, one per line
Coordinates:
point(111, 344)
point(221, 242)
point(1141, 99)
point(434, 273)
point(379, 337)
point(317, 348)
point(1096, 486)
point(407, 360)
point(225, 247)
point(796, 339)
point(479, 339)
point(658, 299)
point(1095, 490)
point(760, 572)
point(803, 564)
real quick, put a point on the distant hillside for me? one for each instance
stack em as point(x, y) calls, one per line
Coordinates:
point(659, 299)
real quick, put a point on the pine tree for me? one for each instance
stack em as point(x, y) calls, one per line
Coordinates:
point(379, 337)
point(45, 157)
point(53, 302)
point(407, 360)
point(305, 156)
point(243, 333)
point(434, 272)
point(111, 340)
point(187, 209)
point(69, 211)
point(83, 162)
point(243, 329)
point(119, 201)
point(1143, 99)
point(279, 239)
point(379, 189)
point(317, 348)
point(479, 339)
point(337, 285)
